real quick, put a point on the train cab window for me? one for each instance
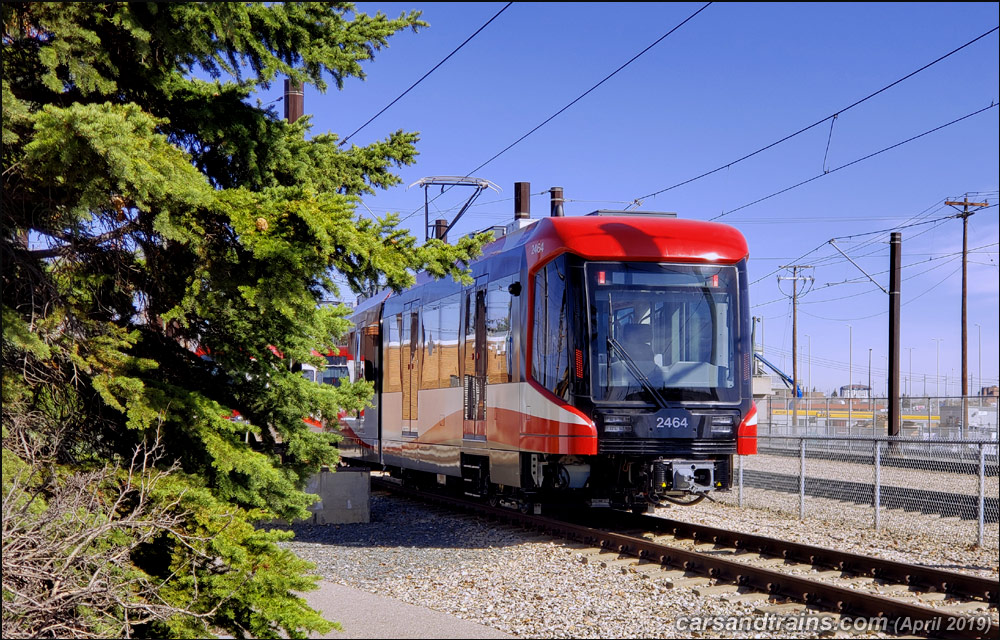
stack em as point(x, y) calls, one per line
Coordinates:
point(335, 374)
point(550, 361)
point(664, 328)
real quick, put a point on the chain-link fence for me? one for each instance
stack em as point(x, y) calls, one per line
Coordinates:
point(922, 418)
point(948, 487)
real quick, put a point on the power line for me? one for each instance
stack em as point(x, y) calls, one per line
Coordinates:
point(422, 78)
point(578, 98)
point(818, 122)
point(854, 162)
point(881, 313)
point(588, 91)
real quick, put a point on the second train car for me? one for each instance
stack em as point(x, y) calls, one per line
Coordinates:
point(604, 357)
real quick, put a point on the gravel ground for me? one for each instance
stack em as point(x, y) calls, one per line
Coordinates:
point(850, 526)
point(536, 587)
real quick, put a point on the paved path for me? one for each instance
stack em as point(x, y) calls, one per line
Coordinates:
point(366, 615)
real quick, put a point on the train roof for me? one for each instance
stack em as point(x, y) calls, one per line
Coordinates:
point(627, 237)
point(645, 238)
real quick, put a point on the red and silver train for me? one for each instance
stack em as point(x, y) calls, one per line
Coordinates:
point(604, 357)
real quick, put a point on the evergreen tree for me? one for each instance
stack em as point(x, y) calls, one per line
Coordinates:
point(148, 212)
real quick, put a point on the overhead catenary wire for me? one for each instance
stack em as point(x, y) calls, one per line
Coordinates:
point(993, 105)
point(424, 77)
point(835, 114)
point(577, 99)
point(818, 261)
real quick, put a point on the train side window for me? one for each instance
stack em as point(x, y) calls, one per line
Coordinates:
point(368, 342)
point(430, 378)
point(499, 340)
point(393, 353)
point(550, 362)
point(448, 346)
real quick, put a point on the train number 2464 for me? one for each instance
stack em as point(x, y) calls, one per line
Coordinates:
point(671, 423)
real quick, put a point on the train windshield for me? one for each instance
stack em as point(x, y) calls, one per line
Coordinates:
point(663, 332)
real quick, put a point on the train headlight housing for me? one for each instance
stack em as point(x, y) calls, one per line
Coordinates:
point(723, 423)
point(617, 424)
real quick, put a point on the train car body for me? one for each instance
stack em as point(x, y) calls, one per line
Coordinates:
point(601, 356)
point(338, 367)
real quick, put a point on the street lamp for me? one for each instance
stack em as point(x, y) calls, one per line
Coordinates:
point(869, 375)
point(809, 357)
point(850, 377)
point(980, 357)
point(909, 376)
point(937, 366)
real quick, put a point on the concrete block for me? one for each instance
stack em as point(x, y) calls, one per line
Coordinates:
point(344, 496)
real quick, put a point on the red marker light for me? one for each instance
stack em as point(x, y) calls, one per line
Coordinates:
point(715, 280)
point(600, 277)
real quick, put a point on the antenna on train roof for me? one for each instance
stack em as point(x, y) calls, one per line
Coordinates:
point(632, 212)
point(441, 230)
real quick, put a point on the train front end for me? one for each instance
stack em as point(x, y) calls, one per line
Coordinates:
point(657, 332)
point(669, 374)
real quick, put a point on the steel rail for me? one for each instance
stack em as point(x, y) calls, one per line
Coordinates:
point(926, 578)
point(842, 600)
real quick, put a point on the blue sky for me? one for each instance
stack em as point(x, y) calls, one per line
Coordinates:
point(732, 80)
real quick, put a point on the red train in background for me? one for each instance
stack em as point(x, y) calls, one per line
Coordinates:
point(603, 357)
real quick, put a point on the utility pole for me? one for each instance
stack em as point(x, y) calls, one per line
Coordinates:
point(964, 215)
point(795, 277)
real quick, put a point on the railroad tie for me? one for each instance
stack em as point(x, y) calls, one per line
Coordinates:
point(679, 578)
point(967, 607)
point(747, 597)
point(780, 609)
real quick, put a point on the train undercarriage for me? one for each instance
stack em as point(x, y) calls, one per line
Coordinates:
point(633, 483)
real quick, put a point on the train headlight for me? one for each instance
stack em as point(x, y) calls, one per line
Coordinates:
point(617, 424)
point(723, 423)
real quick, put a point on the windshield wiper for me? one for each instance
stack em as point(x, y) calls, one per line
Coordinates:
point(632, 367)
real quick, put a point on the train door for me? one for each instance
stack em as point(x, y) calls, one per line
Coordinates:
point(411, 345)
point(474, 423)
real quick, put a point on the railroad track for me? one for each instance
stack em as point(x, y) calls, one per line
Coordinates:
point(748, 568)
point(940, 503)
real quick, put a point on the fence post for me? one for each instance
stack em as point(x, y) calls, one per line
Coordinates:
point(826, 421)
point(982, 491)
point(741, 480)
point(928, 418)
point(802, 479)
point(877, 499)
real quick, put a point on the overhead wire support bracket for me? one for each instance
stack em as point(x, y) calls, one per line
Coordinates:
point(833, 243)
point(480, 185)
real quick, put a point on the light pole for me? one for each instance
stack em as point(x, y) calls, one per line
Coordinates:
point(871, 405)
point(869, 375)
point(980, 357)
point(909, 376)
point(937, 366)
point(850, 377)
point(886, 381)
point(809, 358)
